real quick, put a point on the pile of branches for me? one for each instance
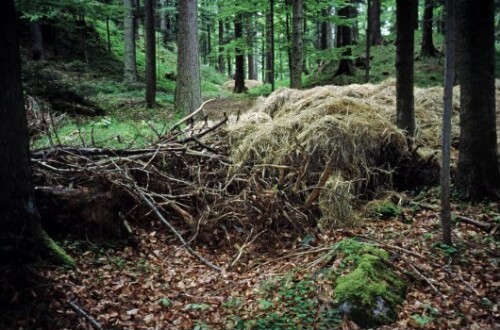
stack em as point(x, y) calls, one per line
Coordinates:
point(184, 182)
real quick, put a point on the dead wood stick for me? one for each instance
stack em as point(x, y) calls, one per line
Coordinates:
point(423, 277)
point(89, 318)
point(311, 251)
point(321, 183)
point(173, 230)
point(395, 247)
point(191, 115)
point(205, 132)
point(188, 218)
point(481, 224)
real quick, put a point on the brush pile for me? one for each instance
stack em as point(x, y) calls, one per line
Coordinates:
point(297, 159)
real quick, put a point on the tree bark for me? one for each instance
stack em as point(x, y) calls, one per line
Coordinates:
point(428, 49)
point(23, 238)
point(375, 31)
point(326, 29)
point(228, 55)
point(270, 45)
point(221, 66)
point(368, 41)
point(404, 66)
point(448, 109)
point(188, 87)
point(296, 64)
point(478, 171)
point(129, 60)
point(239, 76)
point(37, 52)
point(150, 54)
point(252, 70)
point(345, 40)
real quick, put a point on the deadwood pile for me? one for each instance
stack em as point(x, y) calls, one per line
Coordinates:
point(297, 159)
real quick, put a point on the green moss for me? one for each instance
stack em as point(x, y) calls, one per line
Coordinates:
point(53, 250)
point(385, 210)
point(370, 292)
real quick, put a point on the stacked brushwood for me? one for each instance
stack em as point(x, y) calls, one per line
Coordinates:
point(297, 159)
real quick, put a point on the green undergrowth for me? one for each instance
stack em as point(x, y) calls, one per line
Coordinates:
point(360, 286)
point(428, 71)
point(140, 129)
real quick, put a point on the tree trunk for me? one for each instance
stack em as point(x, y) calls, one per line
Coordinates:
point(428, 49)
point(163, 22)
point(270, 46)
point(296, 54)
point(326, 29)
point(252, 71)
point(221, 66)
point(448, 109)
point(150, 54)
point(404, 66)
point(130, 69)
point(368, 41)
point(239, 76)
point(375, 31)
point(478, 172)
point(415, 13)
point(23, 238)
point(228, 54)
point(37, 52)
point(345, 40)
point(204, 36)
point(188, 87)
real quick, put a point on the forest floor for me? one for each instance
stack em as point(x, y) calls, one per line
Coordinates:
point(219, 107)
point(158, 285)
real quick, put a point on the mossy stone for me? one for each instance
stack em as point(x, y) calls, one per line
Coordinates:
point(370, 292)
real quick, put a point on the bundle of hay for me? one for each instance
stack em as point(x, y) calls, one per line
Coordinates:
point(313, 128)
point(249, 84)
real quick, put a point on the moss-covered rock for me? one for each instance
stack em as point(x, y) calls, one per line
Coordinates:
point(369, 291)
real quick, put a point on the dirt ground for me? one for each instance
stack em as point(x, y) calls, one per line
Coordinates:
point(228, 106)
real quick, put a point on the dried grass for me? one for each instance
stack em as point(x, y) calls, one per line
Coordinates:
point(249, 84)
point(354, 125)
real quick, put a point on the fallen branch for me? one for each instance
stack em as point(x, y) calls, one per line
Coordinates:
point(487, 227)
point(89, 318)
point(191, 115)
point(321, 183)
point(174, 231)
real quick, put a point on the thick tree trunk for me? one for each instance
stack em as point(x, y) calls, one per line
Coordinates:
point(239, 76)
point(150, 54)
point(188, 87)
point(428, 49)
point(221, 66)
point(404, 66)
point(22, 238)
point(130, 69)
point(37, 52)
point(296, 54)
point(345, 40)
point(478, 171)
point(270, 46)
point(375, 31)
